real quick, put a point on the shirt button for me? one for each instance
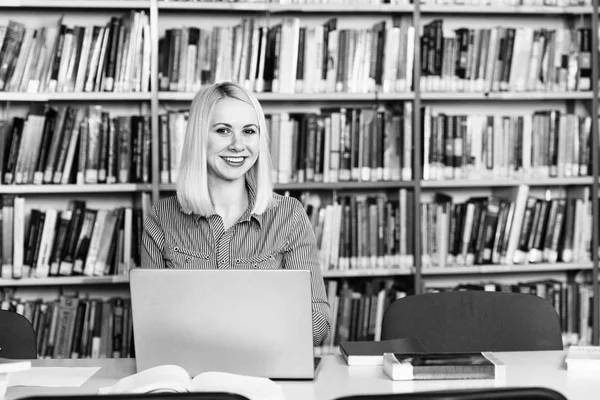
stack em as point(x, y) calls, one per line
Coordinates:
point(188, 260)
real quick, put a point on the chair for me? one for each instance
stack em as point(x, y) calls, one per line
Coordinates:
point(17, 336)
point(146, 396)
point(524, 393)
point(474, 321)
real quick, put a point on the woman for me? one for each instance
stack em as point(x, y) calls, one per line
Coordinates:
point(225, 214)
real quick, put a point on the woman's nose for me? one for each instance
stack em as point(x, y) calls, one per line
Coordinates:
point(237, 143)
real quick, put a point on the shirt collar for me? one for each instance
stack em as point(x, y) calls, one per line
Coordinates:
point(247, 215)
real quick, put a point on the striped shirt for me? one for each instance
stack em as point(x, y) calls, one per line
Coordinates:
point(280, 238)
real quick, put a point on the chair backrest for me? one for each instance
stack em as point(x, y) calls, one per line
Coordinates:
point(464, 321)
point(520, 393)
point(17, 336)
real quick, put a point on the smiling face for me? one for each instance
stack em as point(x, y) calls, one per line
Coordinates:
point(233, 140)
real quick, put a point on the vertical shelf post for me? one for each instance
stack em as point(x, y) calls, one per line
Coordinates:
point(417, 149)
point(595, 165)
point(154, 109)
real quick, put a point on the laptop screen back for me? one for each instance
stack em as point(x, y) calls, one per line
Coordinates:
point(251, 322)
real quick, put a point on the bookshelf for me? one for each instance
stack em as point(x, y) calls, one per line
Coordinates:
point(163, 15)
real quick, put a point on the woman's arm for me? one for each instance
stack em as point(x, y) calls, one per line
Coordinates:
point(302, 253)
point(153, 242)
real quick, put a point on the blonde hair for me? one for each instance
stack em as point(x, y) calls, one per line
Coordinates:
point(192, 180)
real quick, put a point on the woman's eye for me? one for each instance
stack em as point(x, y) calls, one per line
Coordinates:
point(249, 131)
point(222, 130)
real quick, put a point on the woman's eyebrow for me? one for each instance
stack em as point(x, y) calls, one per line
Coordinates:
point(229, 125)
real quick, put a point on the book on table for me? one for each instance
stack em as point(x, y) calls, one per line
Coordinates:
point(9, 365)
point(371, 352)
point(429, 366)
point(583, 359)
point(175, 379)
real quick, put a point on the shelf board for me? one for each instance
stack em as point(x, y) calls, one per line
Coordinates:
point(86, 96)
point(321, 97)
point(170, 187)
point(74, 4)
point(368, 272)
point(111, 280)
point(344, 185)
point(460, 183)
point(89, 188)
point(286, 8)
point(65, 280)
point(442, 96)
point(526, 10)
point(504, 269)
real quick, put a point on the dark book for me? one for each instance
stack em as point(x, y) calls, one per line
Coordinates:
point(371, 352)
point(426, 366)
point(522, 251)
point(35, 225)
point(103, 143)
point(490, 223)
point(164, 149)
point(13, 150)
point(59, 240)
point(83, 242)
point(68, 255)
point(112, 151)
point(50, 124)
point(585, 59)
point(35, 252)
point(125, 149)
point(72, 120)
point(508, 56)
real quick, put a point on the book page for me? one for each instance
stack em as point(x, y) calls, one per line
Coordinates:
point(164, 378)
point(254, 388)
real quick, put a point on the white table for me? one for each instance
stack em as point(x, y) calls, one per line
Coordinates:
point(336, 379)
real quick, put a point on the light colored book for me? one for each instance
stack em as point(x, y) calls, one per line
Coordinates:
point(579, 359)
point(173, 378)
point(9, 365)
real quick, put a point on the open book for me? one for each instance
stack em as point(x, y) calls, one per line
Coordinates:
point(173, 378)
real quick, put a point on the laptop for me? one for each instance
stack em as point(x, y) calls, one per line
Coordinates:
point(249, 322)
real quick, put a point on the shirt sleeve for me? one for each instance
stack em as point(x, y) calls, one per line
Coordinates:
point(153, 242)
point(302, 253)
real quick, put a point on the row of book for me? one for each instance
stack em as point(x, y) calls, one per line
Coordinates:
point(375, 231)
point(343, 144)
point(512, 228)
point(357, 308)
point(287, 58)
point(69, 144)
point(324, 2)
point(72, 327)
point(66, 144)
point(482, 3)
point(114, 57)
point(284, 57)
point(573, 301)
point(357, 231)
point(505, 59)
point(547, 143)
point(76, 241)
